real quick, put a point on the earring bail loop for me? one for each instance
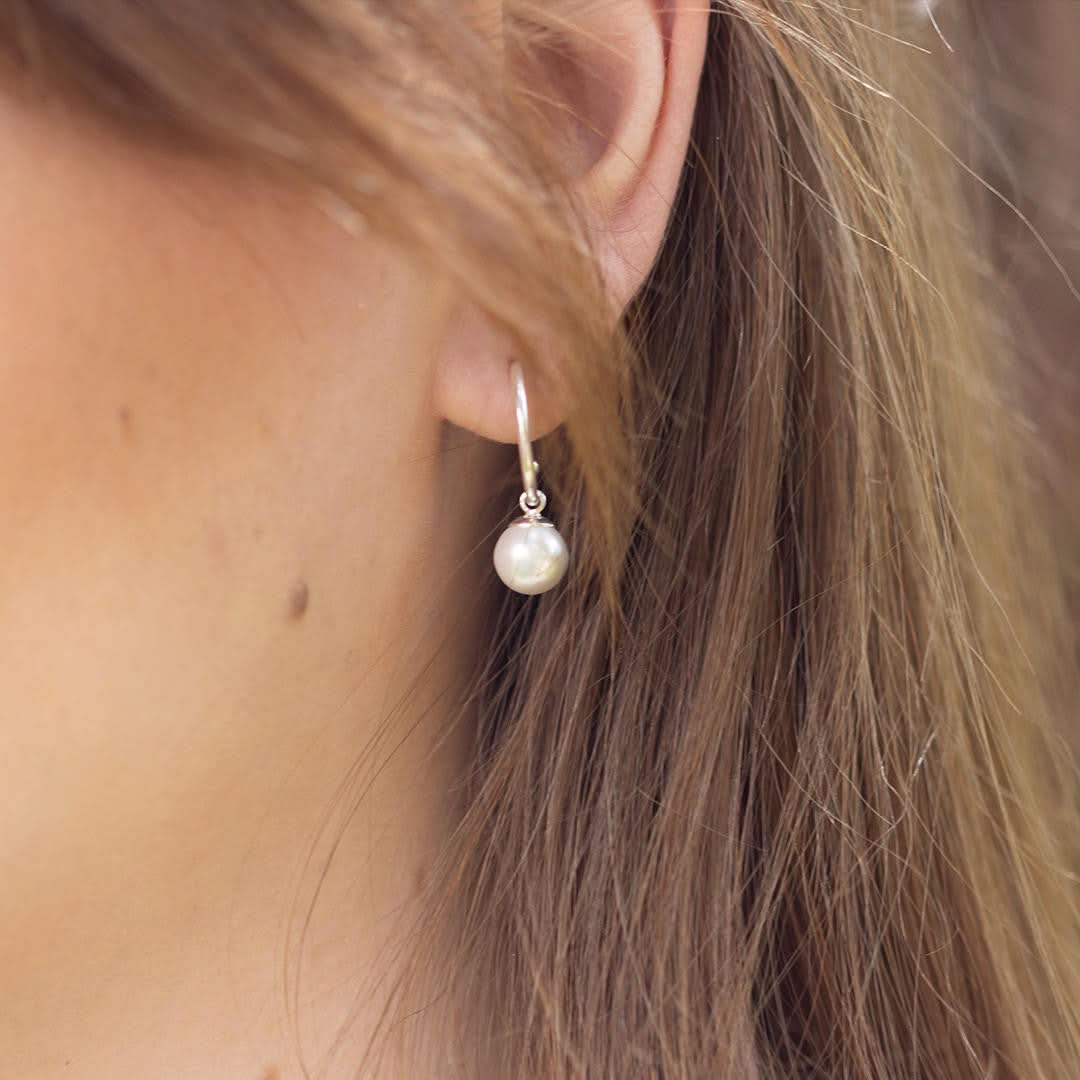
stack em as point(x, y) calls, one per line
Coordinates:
point(529, 465)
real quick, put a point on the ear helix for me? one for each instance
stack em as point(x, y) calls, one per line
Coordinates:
point(531, 556)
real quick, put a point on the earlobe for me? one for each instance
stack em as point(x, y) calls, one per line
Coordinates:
point(625, 87)
point(472, 387)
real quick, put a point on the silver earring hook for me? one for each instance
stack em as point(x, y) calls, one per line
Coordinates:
point(529, 465)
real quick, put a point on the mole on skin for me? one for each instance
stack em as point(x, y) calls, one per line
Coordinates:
point(298, 601)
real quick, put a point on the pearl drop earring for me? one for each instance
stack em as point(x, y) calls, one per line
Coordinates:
point(530, 557)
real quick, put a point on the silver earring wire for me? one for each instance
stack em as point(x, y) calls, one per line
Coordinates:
point(533, 500)
point(531, 556)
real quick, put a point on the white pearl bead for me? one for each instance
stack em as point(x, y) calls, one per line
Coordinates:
point(531, 557)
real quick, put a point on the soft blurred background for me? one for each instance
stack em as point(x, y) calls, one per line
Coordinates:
point(1033, 49)
point(1023, 73)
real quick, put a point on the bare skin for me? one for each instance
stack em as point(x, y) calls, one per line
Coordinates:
point(220, 563)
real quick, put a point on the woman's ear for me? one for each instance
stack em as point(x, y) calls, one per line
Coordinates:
point(656, 53)
point(626, 82)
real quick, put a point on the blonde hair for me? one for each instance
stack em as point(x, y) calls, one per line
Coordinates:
point(776, 785)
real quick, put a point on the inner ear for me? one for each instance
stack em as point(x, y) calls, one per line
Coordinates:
point(616, 92)
point(580, 86)
point(598, 87)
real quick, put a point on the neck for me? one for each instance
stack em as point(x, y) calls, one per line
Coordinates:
point(169, 821)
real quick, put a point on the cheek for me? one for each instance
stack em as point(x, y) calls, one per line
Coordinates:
point(187, 363)
point(104, 338)
point(132, 298)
